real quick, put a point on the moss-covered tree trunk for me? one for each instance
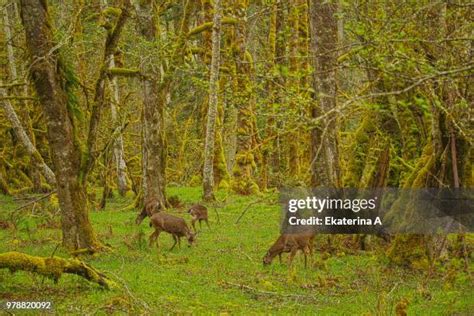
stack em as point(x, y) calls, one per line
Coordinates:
point(324, 141)
point(154, 102)
point(208, 169)
point(244, 167)
point(23, 131)
point(293, 87)
point(25, 139)
point(65, 152)
point(53, 267)
point(446, 157)
point(120, 165)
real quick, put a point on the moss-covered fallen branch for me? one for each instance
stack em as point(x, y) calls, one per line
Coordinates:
point(52, 267)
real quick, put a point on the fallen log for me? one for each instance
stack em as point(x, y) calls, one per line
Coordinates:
point(53, 267)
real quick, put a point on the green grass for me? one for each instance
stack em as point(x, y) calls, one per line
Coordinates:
point(223, 272)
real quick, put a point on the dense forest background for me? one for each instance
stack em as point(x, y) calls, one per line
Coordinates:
point(108, 99)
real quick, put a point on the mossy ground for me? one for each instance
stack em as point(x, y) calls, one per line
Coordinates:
point(223, 272)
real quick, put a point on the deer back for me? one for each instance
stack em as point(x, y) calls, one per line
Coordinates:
point(170, 224)
point(198, 211)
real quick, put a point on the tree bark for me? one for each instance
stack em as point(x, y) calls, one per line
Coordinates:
point(21, 134)
point(324, 34)
point(154, 102)
point(121, 167)
point(244, 166)
point(208, 174)
point(111, 43)
point(24, 129)
point(65, 152)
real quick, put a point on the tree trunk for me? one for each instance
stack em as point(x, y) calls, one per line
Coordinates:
point(65, 152)
point(154, 102)
point(120, 164)
point(293, 88)
point(323, 30)
point(208, 174)
point(244, 166)
point(24, 132)
point(121, 167)
point(21, 134)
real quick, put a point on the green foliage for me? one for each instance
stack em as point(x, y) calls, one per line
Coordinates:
point(223, 273)
point(70, 83)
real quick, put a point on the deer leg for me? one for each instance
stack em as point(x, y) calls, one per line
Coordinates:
point(310, 252)
point(207, 222)
point(175, 242)
point(279, 257)
point(292, 255)
point(152, 238)
point(305, 253)
point(179, 242)
point(193, 221)
point(158, 232)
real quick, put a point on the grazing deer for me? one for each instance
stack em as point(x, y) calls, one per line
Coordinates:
point(151, 207)
point(198, 213)
point(176, 226)
point(291, 243)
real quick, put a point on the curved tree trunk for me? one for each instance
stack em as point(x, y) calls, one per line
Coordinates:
point(65, 152)
point(23, 132)
point(30, 148)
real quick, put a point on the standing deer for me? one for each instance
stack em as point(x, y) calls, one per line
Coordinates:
point(198, 213)
point(291, 243)
point(151, 207)
point(176, 226)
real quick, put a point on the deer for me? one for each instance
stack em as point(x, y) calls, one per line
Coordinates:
point(151, 207)
point(176, 226)
point(291, 243)
point(198, 213)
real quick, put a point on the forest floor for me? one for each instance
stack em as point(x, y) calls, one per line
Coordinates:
point(224, 271)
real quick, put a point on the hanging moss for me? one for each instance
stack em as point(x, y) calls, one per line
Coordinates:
point(359, 148)
point(418, 176)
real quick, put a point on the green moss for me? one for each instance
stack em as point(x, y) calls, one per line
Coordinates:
point(111, 11)
point(52, 267)
point(417, 178)
point(125, 72)
point(409, 250)
point(224, 184)
point(195, 180)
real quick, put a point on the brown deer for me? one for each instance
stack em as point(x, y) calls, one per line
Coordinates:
point(176, 226)
point(198, 213)
point(151, 207)
point(291, 243)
